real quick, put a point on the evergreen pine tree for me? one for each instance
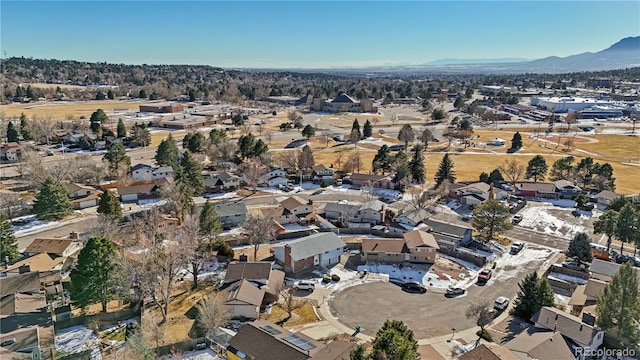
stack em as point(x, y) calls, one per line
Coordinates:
point(367, 130)
point(580, 248)
point(96, 276)
point(516, 141)
point(416, 166)
point(167, 153)
point(209, 221)
point(356, 126)
point(537, 168)
point(121, 130)
point(618, 307)
point(116, 156)
point(25, 129)
point(108, 204)
point(192, 173)
point(308, 131)
point(534, 294)
point(8, 245)
point(445, 171)
point(99, 116)
point(52, 202)
point(12, 133)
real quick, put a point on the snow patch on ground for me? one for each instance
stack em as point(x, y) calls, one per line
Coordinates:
point(33, 225)
point(227, 195)
point(539, 218)
point(508, 266)
point(206, 354)
point(567, 278)
point(77, 339)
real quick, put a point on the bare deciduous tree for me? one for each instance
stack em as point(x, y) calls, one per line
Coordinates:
point(354, 163)
point(419, 197)
point(268, 135)
point(259, 230)
point(325, 136)
point(481, 314)
point(10, 202)
point(512, 170)
point(212, 313)
point(194, 246)
point(43, 128)
point(253, 171)
point(289, 160)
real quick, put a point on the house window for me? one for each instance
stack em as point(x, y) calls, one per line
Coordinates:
point(326, 252)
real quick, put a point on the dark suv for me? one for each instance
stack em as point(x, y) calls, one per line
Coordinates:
point(414, 286)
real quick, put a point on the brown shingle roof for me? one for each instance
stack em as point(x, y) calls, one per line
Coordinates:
point(248, 270)
point(51, 246)
point(384, 245)
point(71, 188)
point(37, 263)
point(538, 187)
point(607, 194)
point(136, 189)
point(292, 202)
point(594, 288)
point(568, 325)
point(541, 345)
point(420, 238)
point(247, 293)
point(489, 352)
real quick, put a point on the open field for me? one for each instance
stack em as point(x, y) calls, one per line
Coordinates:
point(61, 110)
point(54, 86)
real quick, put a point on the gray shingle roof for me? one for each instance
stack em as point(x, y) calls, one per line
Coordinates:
point(233, 208)
point(312, 245)
point(446, 229)
point(343, 98)
point(607, 268)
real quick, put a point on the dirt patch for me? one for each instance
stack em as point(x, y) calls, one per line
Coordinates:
point(563, 139)
point(444, 267)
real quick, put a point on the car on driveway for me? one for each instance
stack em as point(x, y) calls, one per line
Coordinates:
point(304, 285)
point(516, 248)
point(484, 275)
point(414, 286)
point(501, 303)
point(455, 291)
point(516, 218)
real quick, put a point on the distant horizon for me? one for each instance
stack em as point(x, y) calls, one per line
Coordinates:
point(309, 34)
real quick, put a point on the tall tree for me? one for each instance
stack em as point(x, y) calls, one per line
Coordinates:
point(110, 95)
point(537, 168)
point(52, 202)
point(25, 128)
point(306, 160)
point(193, 142)
point(382, 160)
point(416, 166)
point(96, 276)
point(212, 313)
point(308, 131)
point(426, 136)
point(563, 169)
point(191, 173)
point(516, 141)
point(216, 136)
point(140, 135)
point(121, 130)
point(491, 218)
point(8, 245)
point(458, 103)
point(108, 204)
point(533, 295)
point(618, 307)
point(626, 230)
point(394, 340)
point(99, 116)
point(142, 94)
point(356, 126)
point(259, 230)
point(12, 133)
point(167, 153)
point(606, 224)
point(512, 170)
point(367, 130)
point(354, 137)
point(118, 159)
point(580, 248)
point(481, 314)
point(209, 221)
point(445, 171)
point(406, 135)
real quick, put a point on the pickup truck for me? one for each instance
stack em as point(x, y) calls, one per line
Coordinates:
point(484, 275)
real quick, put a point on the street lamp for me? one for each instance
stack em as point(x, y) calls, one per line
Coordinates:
point(452, 335)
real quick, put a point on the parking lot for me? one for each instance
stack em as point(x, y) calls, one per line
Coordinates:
point(428, 315)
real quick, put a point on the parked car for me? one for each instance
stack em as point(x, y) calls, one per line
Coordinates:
point(414, 286)
point(304, 285)
point(516, 248)
point(318, 192)
point(455, 291)
point(516, 218)
point(501, 303)
point(484, 275)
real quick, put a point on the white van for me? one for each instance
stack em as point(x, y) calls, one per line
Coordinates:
point(304, 285)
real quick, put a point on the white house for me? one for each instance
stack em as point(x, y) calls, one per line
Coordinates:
point(144, 172)
point(276, 176)
point(322, 249)
point(244, 300)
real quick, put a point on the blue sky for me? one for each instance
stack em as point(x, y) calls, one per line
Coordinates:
point(309, 33)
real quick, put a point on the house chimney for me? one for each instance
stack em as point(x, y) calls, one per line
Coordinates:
point(244, 258)
point(588, 318)
point(382, 215)
point(74, 235)
point(24, 269)
point(310, 202)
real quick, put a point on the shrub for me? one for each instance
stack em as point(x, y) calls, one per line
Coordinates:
point(274, 113)
point(326, 280)
point(324, 184)
point(484, 334)
point(335, 278)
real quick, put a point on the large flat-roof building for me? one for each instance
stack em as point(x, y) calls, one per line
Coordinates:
point(344, 103)
point(565, 104)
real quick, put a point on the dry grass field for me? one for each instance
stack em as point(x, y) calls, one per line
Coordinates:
point(53, 86)
point(61, 110)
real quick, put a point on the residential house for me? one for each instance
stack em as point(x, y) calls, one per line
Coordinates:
point(222, 182)
point(373, 180)
point(537, 190)
point(10, 151)
point(566, 189)
point(584, 297)
point(539, 344)
point(292, 210)
point(136, 193)
point(604, 270)
point(54, 247)
point(473, 194)
point(489, 351)
point(447, 235)
point(259, 274)
point(416, 246)
point(275, 177)
point(244, 300)
point(264, 340)
point(578, 333)
point(231, 214)
point(422, 246)
point(297, 206)
point(412, 218)
point(37, 263)
point(82, 196)
point(144, 172)
point(322, 249)
point(372, 212)
point(323, 173)
point(21, 344)
point(604, 197)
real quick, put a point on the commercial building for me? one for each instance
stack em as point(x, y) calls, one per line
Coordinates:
point(162, 108)
point(343, 103)
point(565, 104)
